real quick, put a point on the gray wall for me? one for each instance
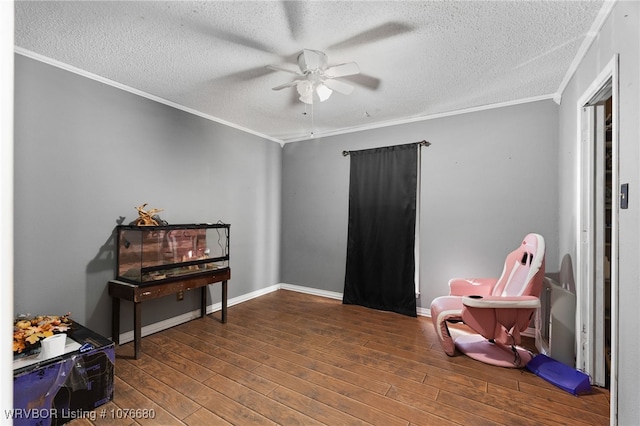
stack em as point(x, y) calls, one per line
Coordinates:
point(87, 154)
point(620, 34)
point(489, 178)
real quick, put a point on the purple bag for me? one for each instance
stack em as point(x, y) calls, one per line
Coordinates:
point(560, 375)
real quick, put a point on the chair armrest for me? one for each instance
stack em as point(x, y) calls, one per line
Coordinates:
point(470, 286)
point(516, 302)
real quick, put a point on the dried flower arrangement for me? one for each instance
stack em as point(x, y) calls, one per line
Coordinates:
point(148, 218)
point(29, 330)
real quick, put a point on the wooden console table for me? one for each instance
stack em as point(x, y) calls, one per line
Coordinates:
point(139, 293)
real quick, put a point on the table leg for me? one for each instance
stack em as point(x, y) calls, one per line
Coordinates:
point(115, 320)
point(203, 301)
point(224, 301)
point(137, 328)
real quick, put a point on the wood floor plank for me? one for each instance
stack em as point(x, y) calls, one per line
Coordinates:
point(366, 413)
point(364, 373)
point(328, 369)
point(230, 410)
point(385, 362)
point(176, 403)
point(242, 376)
point(419, 389)
point(461, 364)
point(477, 403)
point(210, 348)
point(170, 376)
point(293, 358)
point(272, 327)
point(388, 405)
point(452, 414)
point(168, 355)
point(205, 417)
point(312, 408)
point(269, 408)
point(110, 416)
point(205, 396)
point(127, 397)
point(593, 403)
point(550, 409)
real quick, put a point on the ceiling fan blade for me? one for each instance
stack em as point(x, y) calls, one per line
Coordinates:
point(284, 86)
point(342, 70)
point(364, 80)
point(338, 86)
point(245, 75)
point(390, 29)
point(295, 11)
point(230, 37)
point(284, 69)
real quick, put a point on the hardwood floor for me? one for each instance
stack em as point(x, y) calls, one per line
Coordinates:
point(294, 359)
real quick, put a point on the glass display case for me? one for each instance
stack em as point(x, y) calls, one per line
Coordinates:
point(151, 254)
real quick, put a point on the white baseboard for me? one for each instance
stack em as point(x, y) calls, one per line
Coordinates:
point(245, 297)
point(313, 291)
point(423, 312)
point(172, 322)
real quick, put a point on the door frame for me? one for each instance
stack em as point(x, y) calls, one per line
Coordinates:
point(585, 232)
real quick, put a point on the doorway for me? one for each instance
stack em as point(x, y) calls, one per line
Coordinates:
point(597, 248)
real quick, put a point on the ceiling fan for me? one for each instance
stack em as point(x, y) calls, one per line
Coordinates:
point(316, 79)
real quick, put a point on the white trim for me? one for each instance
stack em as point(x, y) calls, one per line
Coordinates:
point(180, 319)
point(313, 291)
point(390, 123)
point(423, 312)
point(591, 35)
point(246, 297)
point(108, 82)
point(172, 322)
point(161, 325)
point(316, 135)
point(584, 331)
point(615, 222)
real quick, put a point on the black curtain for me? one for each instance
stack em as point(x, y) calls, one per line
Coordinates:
point(381, 235)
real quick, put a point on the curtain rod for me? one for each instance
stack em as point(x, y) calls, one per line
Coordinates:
point(421, 143)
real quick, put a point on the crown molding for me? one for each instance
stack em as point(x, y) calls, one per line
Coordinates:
point(590, 37)
point(282, 142)
point(112, 83)
point(423, 118)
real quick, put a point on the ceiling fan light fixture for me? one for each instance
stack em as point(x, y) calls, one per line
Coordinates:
point(307, 98)
point(323, 92)
point(304, 87)
point(305, 90)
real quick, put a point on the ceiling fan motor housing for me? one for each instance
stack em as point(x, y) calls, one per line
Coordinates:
point(312, 60)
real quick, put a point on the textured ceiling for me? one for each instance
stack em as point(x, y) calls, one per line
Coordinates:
point(417, 59)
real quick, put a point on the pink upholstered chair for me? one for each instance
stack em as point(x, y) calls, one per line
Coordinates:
point(498, 309)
